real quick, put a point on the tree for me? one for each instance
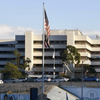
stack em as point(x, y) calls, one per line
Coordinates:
point(26, 63)
point(17, 68)
point(89, 69)
point(17, 58)
point(21, 63)
point(70, 55)
point(11, 71)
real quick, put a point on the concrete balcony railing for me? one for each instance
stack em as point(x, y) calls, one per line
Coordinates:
point(95, 55)
point(95, 63)
point(7, 48)
point(19, 46)
point(47, 61)
point(48, 69)
point(83, 47)
point(85, 54)
point(95, 49)
point(56, 46)
point(10, 55)
point(46, 54)
point(3, 62)
point(97, 70)
point(87, 47)
point(7, 56)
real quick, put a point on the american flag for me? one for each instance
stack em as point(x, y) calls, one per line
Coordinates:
point(47, 28)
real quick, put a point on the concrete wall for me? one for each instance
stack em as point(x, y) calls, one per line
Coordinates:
point(89, 93)
point(59, 94)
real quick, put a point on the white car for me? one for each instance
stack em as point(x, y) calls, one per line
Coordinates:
point(48, 79)
point(63, 79)
point(22, 79)
point(1, 82)
point(40, 79)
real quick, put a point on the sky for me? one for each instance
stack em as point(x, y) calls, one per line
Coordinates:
point(18, 16)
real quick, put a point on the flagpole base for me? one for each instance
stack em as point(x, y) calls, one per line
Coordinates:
point(42, 97)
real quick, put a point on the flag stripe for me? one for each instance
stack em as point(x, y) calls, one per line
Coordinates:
point(46, 42)
point(47, 28)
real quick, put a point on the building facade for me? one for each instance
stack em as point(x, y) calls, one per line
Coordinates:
point(30, 45)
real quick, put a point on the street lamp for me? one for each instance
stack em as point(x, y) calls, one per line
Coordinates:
point(54, 62)
point(82, 80)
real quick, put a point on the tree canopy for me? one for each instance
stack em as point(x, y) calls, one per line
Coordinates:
point(11, 71)
point(25, 63)
point(21, 63)
point(89, 69)
point(17, 67)
point(70, 55)
point(17, 60)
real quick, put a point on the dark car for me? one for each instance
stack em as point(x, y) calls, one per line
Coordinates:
point(75, 79)
point(91, 78)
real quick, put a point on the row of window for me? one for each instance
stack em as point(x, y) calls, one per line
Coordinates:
point(9, 52)
point(95, 66)
point(47, 65)
point(48, 57)
point(6, 52)
point(7, 45)
point(20, 42)
point(45, 73)
point(51, 42)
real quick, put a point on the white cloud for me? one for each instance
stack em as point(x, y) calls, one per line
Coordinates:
point(9, 32)
point(91, 34)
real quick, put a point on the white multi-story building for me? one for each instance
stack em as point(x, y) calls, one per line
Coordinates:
point(30, 45)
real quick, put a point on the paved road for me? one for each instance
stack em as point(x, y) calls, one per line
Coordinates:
point(24, 87)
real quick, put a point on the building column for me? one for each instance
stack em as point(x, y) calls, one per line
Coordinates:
point(29, 48)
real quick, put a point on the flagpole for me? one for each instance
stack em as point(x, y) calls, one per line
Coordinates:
point(43, 54)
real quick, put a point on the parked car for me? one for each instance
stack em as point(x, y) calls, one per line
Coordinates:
point(1, 82)
point(75, 79)
point(48, 79)
point(31, 79)
point(91, 78)
point(40, 79)
point(15, 80)
point(63, 79)
point(22, 79)
point(53, 80)
point(11, 80)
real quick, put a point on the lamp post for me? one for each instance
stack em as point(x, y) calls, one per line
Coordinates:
point(82, 80)
point(82, 83)
point(54, 62)
point(54, 65)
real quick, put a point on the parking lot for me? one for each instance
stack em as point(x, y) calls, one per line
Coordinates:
point(24, 87)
